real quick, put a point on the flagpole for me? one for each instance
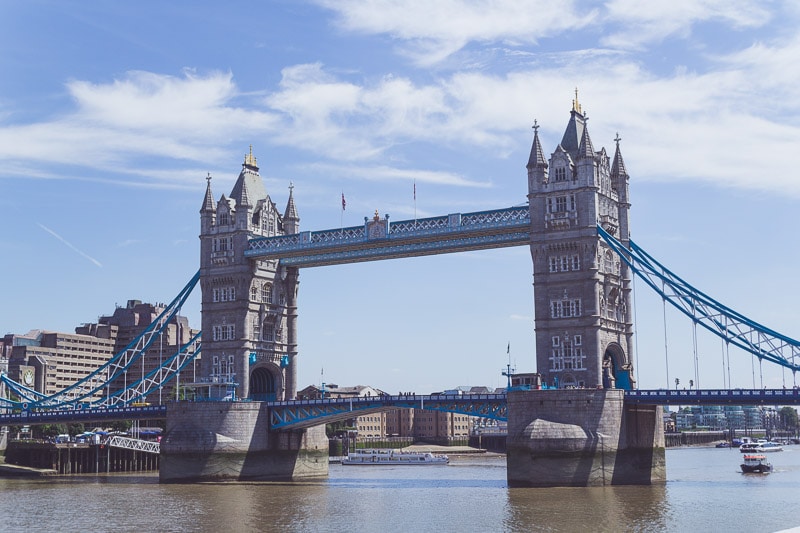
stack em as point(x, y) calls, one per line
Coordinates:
point(415, 203)
point(341, 216)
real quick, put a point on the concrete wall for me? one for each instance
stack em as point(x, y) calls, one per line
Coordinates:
point(232, 441)
point(582, 437)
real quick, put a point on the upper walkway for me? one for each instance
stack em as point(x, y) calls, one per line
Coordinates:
point(382, 239)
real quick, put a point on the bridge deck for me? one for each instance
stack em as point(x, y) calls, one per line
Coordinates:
point(307, 413)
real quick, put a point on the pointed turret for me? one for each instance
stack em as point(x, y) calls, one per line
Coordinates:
point(586, 149)
point(537, 165)
point(209, 206)
point(208, 213)
point(291, 221)
point(618, 165)
point(573, 135)
point(536, 159)
point(244, 197)
point(254, 189)
point(619, 181)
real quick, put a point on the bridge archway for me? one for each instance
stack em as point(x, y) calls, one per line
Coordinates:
point(616, 371)
point(264, 383)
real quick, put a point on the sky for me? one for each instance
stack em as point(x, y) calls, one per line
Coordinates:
point(112, 114)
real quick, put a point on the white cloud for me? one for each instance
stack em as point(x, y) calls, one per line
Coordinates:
point(432, 31)
point(385, 173)
point(140, 114)
point(657, 20)
point(146, 129)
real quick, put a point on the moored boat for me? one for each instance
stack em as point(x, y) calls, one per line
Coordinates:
point(756, 464)
point(394, 457)
point(760, 447)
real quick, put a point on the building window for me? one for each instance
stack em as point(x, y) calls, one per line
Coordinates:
point(560, 174)
point(223, 294)
point(224, 218)
point(564, 263)
point(222, 244)
point(254, 293)
point(566, 357)
point(224, 332)
point(266, 293)
point(561, 204)
point(565, 308)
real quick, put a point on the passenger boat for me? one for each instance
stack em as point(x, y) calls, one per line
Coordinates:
point(394, 457)
point(760, 447)
point(756, 464)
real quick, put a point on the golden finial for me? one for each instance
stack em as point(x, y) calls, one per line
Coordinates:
point(249, 160)
point(377, 216)
point(576, 106)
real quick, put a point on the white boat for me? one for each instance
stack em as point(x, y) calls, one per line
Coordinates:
point(394, 457)
point(761, 446)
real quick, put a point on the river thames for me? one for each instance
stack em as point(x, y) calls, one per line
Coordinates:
point(705, 491)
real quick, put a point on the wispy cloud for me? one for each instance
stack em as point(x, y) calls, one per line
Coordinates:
point(71, 246)
point(429, 32)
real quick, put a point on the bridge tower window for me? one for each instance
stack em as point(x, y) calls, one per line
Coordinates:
point(266, 293)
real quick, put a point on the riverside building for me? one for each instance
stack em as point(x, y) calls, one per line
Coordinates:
point(49, 361)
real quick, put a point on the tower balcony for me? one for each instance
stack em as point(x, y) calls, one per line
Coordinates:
point(610, 223)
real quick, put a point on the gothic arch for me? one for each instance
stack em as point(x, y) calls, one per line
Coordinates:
point(265, 383)
point(616, 369)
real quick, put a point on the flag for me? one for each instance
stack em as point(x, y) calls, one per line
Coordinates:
point(344, 203)
point(508, 350)
point(415, 190)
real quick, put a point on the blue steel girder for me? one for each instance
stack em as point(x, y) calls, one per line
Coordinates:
point(55, 416)
point(298, 414)
point(731, 326)
point(714, 397)
point(409, 238)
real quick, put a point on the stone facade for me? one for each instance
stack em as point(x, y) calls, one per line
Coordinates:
point(218, 441)
point(249, 306)
point(582, 300)
point(582, 438)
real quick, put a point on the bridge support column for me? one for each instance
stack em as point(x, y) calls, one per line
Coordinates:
point(583, 437)
point(218, 441)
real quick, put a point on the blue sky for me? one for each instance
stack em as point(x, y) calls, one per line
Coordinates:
point(112, 114)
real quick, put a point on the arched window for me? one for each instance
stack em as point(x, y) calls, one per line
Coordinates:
point(266, 293)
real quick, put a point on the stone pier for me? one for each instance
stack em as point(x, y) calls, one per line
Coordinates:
point(231, 441)
point(583, 437)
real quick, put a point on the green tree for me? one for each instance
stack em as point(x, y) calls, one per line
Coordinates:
point(51, 430)
point(788, 417)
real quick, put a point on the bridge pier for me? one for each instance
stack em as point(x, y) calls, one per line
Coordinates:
point(583, 437)
point(231, 441)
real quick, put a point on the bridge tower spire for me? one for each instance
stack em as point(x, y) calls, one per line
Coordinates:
point(248, 335)
point(583, 313)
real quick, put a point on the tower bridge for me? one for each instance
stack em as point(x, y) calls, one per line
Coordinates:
point(576, 224)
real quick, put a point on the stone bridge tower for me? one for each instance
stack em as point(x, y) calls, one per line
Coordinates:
point(583, 313)
point(249, 306)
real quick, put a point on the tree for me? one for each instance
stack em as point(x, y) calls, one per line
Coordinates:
point(788, 417)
